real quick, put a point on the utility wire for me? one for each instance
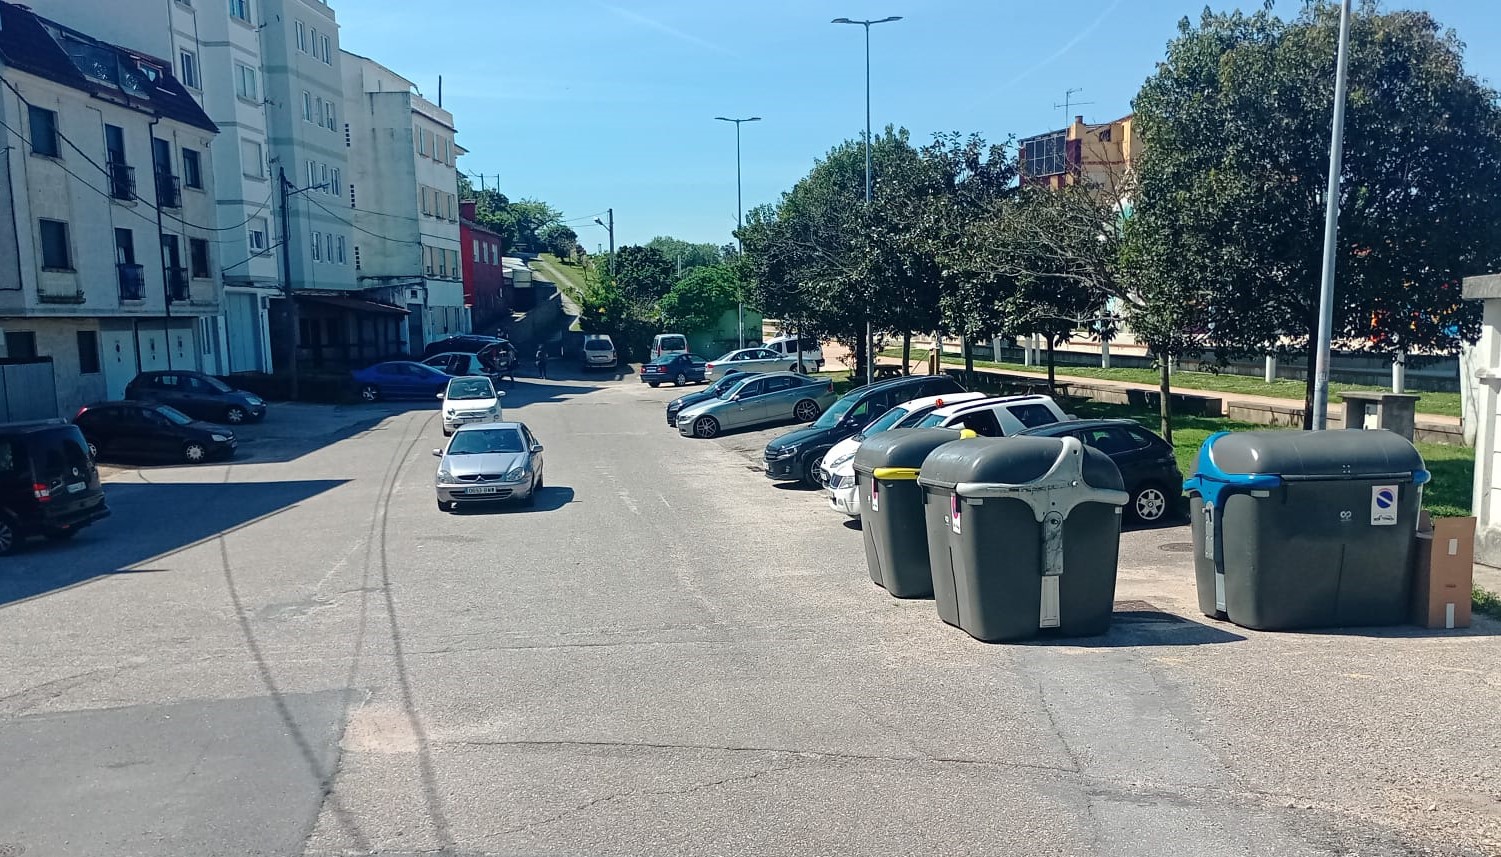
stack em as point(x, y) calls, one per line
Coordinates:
point(251, 257)
point(338, 217)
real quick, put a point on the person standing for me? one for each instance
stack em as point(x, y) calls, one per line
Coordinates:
point(542, 362)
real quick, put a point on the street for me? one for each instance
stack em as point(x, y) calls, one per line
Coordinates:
point(297, 653)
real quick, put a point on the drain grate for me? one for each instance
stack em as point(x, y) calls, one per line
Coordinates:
point(1177, 547)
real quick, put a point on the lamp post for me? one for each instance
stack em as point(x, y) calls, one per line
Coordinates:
point(870, 344)
point(610, 227)
point(1331, 227)
point(288, 190)
point(739, 211)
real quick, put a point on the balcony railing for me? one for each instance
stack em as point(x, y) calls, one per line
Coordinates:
point(122, 181)
point(177, 284)
point(168, 191)
point(132, 281)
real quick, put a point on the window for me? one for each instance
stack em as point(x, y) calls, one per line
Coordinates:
point(425, 208)
point(257, 234)
point(192, 169)
point(776, 385)
point(453, 263)
point(189, 69)
point(301, 37)
point(88, 352)
point(312, 173)
point(335, 184)
point(328, 115)
point(1045, 155)
point(317, 248)
point(323, 176)
point(245, 82)
point(339, 248)
point(240, 9)
point(328, 50)
point(55, 252)
point(421, 141)
point(319, 111)
point(328, 246)
point(198, 258)
point(307, 106)
point(43, 131)
point(20, 344)
point(427, 259)
point(313, 40)
point(1033, 416)
point(476, 249)
point(254, 162)
point(982, 423)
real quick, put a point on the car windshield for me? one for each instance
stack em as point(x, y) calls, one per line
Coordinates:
point(173, 414)
point(483, 441)
point(836, 412)
point(885, 421)
point(471, 388)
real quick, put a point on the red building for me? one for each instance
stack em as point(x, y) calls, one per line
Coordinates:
point(484, 287)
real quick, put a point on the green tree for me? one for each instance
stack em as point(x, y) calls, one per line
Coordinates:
point(643, 274)
point(1235, 124)
point(559, 240)
point(700, 299)
point(684, 255)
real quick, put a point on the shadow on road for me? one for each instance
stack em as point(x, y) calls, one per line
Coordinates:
point(549, 499)
point(149, 522)
point(1140, 623)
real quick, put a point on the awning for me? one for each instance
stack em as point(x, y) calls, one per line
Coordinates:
point(355, 305)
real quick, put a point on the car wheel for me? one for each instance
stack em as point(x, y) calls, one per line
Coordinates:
point(1150, 503)
point(10, 537)
point(806, 411)
point(681, 380)
point(447, 433)
point(653, 384)
point(370, 393)
point(810, 468)
point(705, 427)
point(531, 496)
point(93, 450)
point(194, 453)
point(235, 415)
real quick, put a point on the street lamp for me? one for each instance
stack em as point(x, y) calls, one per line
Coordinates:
point(870, 342)
point(1331, 229)
point(739, 209)
point(289, 190)
point(610, 212)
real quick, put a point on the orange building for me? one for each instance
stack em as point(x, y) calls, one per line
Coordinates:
point(1101, 155)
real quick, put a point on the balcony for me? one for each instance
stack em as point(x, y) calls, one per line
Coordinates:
point(132, 281)
point(168, 190)
point(177, 284)
point(122, 182)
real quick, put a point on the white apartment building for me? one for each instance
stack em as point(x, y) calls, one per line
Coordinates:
point(215, 48)
point(403, 196)
point(107, 211)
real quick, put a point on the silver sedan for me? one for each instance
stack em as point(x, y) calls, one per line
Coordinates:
point(769, 398)
point(484, 462)
point(750, 360)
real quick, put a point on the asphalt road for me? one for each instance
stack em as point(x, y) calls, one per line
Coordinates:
point(296, 653)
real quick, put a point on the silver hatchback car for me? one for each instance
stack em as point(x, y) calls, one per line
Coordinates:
point(768, 398)
point(485, 462)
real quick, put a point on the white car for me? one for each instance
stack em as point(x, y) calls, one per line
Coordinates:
point(470, 399)
point(789, 346)
point(988, 417)
point(750, 360)
point(837, 471)
point(599, 352)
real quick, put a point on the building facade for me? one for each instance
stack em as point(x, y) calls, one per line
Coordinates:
point(216, 52)
point(403, 198)
point(107, 177)
point(483, 252)
point(1101, 155)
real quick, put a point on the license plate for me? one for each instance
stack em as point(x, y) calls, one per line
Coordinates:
point(483, 490)
point(75, 487)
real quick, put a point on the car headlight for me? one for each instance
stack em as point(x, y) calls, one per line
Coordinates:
point(843, 459)
point(219, 438)
point(255, 401)
point(444, 475)
point(779, 454)
point(516, 474)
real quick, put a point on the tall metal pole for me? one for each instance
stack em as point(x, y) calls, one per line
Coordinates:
point(293, 320)
point(739, 211)
point(1331, 228)
point(611, 213)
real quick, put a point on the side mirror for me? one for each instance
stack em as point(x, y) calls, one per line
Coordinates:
point(536, 448)
point(500, 394)
point(440, 395)
point(437, 453)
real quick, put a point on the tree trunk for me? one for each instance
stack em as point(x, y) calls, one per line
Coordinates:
point(907, 352)
point(969, 360)
point(860, 357)
point(1312, 365)
point(1165, 393)
point(1052, 369)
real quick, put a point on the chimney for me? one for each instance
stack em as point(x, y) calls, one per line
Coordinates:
point(466, 209)
point(1078, 120)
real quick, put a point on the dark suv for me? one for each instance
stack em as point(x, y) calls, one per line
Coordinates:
point(1146, 462)
point(48, 484)
point(200, 396)
point(797, 454)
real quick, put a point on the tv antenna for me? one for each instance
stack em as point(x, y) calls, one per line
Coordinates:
point(1069, 103)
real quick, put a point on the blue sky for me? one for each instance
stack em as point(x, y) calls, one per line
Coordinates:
point(590, 104)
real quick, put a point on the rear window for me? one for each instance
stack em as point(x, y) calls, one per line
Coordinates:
point(55, 454)
point(597, 345)
point(672, 343)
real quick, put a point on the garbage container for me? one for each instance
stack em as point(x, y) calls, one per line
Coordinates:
point(896, 537)
point(1023, 534)
point(1305, 529)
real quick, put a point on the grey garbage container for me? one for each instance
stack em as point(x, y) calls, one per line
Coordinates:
point(891, 508)
point(1305, 529)
point(1023, 534)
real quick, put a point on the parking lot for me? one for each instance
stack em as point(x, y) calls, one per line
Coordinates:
point(295, 653)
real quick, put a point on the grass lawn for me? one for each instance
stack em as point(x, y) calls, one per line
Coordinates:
point(1443, 404)
point(572, 274)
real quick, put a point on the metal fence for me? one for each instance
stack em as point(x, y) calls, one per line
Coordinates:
point(28, 390)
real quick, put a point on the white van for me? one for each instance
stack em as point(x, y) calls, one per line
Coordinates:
point(668, 344)
point(599, 352)
point(788, 346)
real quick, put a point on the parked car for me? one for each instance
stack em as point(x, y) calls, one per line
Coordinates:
point(769, 398)
point(837, 470)
point(667, 344)
point(485, 462)
point(1146, 461)
point(400, 379)
point(200, 396)
point(461, 363)
point(137, 430)
point(713, 391)
point(797, 454)
point(752, 360)
point(499, 354)
point(599, 352)
point(49, 485)
point(677, 368)
point(472, 399)
point(789, 346)
point(1001, 416)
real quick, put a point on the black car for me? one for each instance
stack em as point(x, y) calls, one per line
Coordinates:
point(703, 395)
point(678, 369)
point(149, 430)
point(49, 485)
point(795, 456)
point(200, 396)
point(494, 351)
point(1146, 462)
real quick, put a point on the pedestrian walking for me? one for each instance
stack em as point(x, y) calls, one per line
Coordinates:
point(542, 362)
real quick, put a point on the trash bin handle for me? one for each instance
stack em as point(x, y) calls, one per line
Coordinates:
point(895, 474)
point(1064, 490)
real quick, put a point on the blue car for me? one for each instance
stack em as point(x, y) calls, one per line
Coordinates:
point(400, 379)
point(676, 369)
